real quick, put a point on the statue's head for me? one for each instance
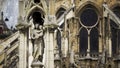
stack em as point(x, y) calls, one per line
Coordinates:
point(36, 26)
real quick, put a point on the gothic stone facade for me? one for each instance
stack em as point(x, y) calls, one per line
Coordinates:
point(78, 33)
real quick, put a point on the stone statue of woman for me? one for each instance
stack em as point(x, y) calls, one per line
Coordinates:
point(38, 42)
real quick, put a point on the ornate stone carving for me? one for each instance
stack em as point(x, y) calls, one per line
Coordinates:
point(38, 42)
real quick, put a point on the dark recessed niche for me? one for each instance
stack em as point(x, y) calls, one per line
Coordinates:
point(36, 1)
point(37, 18)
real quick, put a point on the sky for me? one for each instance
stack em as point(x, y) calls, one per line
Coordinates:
point(10, 11)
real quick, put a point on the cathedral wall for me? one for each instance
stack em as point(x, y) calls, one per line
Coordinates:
point(70, 29)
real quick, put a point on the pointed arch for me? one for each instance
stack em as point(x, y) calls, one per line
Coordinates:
point(60, 11)
point(84, 5)
point(62, 6)
point(34, 9)
point(89, 16)
point(83, 39)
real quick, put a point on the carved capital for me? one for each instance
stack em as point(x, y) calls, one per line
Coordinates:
point(51, 27)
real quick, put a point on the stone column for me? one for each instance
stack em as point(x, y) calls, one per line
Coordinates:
point(65, 47)
point(23, 49)
point(100, 36)
point(23, 38)
point(88, 49)
point(21, 8)
point(108, 37)
point(30, 51)
point(23, 30)
point(49, 45)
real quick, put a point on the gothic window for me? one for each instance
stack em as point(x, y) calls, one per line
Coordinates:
point(114, 39)
point(115, 35)
point(60, 12)
point(94, 40)
point(58, 40)
point(89, 34)
point(83, 40)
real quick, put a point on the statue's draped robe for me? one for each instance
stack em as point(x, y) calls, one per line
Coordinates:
point(38, 44)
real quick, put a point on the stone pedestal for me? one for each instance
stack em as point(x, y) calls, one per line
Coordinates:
point(37, 64)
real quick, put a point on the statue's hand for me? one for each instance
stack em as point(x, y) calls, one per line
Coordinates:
point(36, 34)
point(33, 36)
